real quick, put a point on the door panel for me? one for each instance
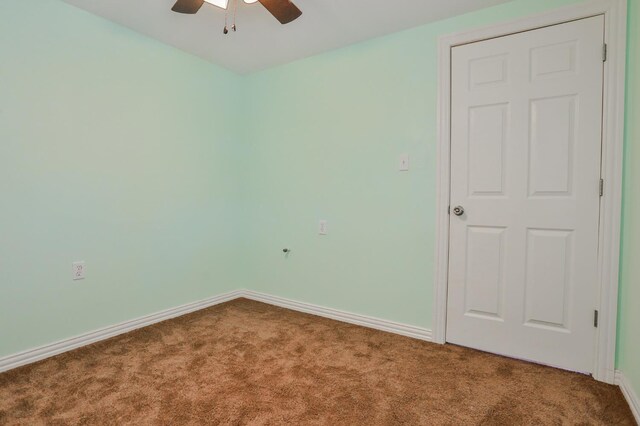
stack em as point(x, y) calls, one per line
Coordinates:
point(548, 278)
point(485, 277)
point(555, 60)
point(552, 126)
point(525, 165)
point(487, 132)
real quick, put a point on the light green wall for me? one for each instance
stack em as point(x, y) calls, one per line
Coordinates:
point(629, 319)
point(327, 133)
point(117, 150)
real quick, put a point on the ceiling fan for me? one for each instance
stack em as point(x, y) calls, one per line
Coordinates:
point(283, 10)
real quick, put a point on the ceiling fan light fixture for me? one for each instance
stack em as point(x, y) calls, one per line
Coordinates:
point(225, 3)
point(283, 10)
point(220, 3)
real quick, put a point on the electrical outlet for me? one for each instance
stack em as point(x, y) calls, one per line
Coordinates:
point(78, 270)
point(322, 227)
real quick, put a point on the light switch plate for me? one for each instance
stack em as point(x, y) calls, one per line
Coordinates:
point(403, 163)
point(78, 270)
point(322, 227)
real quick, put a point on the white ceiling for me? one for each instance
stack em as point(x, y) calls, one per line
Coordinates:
point(261, 41)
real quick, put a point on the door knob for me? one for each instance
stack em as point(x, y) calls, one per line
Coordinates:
point(458, 210)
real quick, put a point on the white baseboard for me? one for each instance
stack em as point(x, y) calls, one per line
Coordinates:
point(362, 320)
point(37, 354)
point(46, 351)
point(629, 393)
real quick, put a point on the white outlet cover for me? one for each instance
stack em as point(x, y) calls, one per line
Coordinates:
point(322, 227)
point(78, 270)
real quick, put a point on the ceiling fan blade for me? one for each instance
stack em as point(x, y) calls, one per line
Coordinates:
point(187, 6)
point(283, 10)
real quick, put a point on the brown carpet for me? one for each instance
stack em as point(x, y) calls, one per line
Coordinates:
point(245, 362)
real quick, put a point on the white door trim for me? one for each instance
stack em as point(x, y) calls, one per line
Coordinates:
point(615, 14)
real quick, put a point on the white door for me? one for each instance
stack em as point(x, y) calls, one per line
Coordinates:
point(525, 167)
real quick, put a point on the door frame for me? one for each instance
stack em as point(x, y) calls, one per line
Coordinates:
point(615, 16)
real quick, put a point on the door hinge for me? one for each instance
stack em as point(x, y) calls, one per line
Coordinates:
point(449, 210)
point(601, 187)
point(595, 318)
point(604, 52)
